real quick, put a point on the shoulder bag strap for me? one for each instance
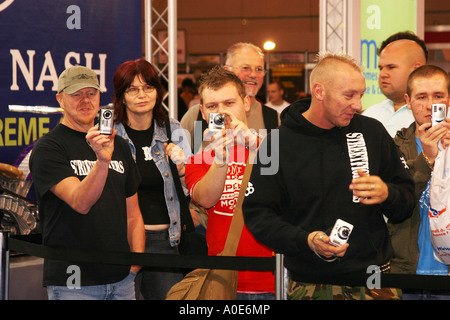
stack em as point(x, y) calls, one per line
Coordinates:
point(237, 222)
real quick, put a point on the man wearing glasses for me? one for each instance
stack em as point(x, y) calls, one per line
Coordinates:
point(247, 62)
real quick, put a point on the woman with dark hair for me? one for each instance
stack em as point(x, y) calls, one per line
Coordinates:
point(140, 120)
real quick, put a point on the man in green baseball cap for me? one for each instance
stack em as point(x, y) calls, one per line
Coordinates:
point(76, 78)
point(86, 184)
point(79, 96)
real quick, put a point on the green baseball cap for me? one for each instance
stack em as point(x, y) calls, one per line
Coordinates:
point(76, 78)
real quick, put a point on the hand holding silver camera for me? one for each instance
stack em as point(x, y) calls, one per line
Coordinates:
point(438, 113)
point(340, 233)
point(216, 122)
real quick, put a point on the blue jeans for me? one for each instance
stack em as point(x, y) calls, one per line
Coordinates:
point(122, 290)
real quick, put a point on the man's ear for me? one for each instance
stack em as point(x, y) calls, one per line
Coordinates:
point(59, 98)
point(247, 103)
point(408, 101)
point(203, 114)
point(318, 90)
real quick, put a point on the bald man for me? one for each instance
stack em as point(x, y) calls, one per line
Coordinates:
point(325, 148)
point(400, 54)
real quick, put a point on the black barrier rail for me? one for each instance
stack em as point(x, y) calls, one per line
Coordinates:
point(31, 245)
point(27, 245)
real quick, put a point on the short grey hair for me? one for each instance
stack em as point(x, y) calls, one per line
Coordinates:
point(231, 52)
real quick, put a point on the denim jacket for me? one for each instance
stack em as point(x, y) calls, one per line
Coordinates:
point(159, 156)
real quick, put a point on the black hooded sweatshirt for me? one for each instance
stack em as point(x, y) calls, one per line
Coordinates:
point(310, 190)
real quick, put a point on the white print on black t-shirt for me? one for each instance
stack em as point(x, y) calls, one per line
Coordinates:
point(83, 167)
point(357, 152)
point(404, 163)
point(147, 153)
point(250, 189)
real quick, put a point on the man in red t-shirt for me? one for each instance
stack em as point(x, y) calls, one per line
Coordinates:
point(214, 176)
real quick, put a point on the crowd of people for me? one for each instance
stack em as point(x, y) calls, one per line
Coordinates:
point(369, 169)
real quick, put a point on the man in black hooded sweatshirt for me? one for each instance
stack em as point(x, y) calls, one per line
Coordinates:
point(333, 164)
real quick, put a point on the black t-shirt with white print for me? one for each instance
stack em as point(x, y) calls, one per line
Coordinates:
point(151, 190)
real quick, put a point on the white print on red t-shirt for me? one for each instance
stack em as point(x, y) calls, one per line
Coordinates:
point(227, 203)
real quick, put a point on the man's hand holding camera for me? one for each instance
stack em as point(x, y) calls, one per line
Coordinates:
point(235, 132)
point(320, 243)
point(371, 190)
point(429, 137)
point(221, 141)
point(242, 134)
point(103, 145)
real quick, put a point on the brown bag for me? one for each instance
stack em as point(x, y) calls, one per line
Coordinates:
point(206, 284)
point(216, 284)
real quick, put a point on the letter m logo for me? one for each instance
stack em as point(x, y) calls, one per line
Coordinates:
point(371, 51)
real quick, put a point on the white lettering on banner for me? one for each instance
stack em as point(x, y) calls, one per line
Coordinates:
point(17, 60)
point(53, 76)
point(5, 4)
point(48, 70)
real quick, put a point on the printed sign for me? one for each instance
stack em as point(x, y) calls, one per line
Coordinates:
point(379, 20)
point(40, 39)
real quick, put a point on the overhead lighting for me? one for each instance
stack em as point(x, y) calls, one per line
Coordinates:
point(269, 45)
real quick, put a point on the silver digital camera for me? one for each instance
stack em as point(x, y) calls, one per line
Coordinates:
point(438, 113)
point(106, 120)
point(340, 233)
point(216, 121)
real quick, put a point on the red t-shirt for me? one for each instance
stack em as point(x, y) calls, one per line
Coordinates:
point(220, 215)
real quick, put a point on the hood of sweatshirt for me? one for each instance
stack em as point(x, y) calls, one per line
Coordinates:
point(292, 117)
point(405, 134)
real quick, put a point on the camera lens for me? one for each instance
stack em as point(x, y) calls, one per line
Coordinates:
point(107, 114)
point(219, 119)
point(343, 232)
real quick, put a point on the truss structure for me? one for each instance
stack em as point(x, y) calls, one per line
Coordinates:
point(333, 25)
point(161, 46)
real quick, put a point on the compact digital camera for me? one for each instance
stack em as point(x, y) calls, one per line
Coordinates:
point(106, 120)
point(340, 233)
point(438, 113)
point(216, 121)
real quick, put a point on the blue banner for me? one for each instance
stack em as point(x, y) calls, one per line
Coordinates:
point(41, 38)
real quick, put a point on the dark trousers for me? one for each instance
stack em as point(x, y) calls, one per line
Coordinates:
point(153, 283)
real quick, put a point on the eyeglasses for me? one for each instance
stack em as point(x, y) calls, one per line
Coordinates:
point(246, 69)
point(133, 91)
